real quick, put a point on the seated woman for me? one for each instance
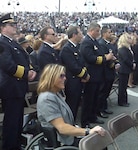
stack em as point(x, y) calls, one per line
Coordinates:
point(52, 109)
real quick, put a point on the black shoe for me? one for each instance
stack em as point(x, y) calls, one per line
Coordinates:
point(102, 115)
point(98, 121)
point(124, 105)
point(108, 111)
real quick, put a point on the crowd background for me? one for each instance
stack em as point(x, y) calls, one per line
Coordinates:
point(32, 22)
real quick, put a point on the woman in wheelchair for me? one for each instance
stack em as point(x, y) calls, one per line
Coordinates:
point(52, 109)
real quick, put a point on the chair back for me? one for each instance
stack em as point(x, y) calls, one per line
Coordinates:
point(32, 89)
point(120, 124)
point(96, 142)
point(134, 115)
point(33, 86)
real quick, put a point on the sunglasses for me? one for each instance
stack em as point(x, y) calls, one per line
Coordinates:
point(62, 76)
point(12, 24)
point(52, 34)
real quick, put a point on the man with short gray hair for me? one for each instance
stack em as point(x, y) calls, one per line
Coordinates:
point(94, 60)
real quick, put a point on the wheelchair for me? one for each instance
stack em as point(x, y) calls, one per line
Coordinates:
point(47, 140)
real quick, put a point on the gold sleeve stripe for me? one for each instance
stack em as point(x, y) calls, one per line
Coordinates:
point(31, 67)
point(112, 65)
point(19, 72)
point(85, 68)
point(99, 60)
point(82, 73)
point(8, 20)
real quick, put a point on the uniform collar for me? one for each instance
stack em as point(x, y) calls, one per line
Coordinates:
point(72, 43)
point(108, 42)
point(91, 37)
point(7, 37)
point(51, 45)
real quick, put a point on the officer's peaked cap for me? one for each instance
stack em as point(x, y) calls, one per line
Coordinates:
point(8, 18)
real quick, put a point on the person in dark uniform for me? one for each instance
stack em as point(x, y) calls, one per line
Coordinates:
point(94, 59)
point(15, 72)
point(47, 54)
point(109, 72)
point(127, 65)
point(76, 71)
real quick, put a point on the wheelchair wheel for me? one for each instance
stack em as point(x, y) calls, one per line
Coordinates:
point(35, 143)
point(40, 143)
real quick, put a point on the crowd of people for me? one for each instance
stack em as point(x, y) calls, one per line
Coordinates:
point(33, 22)
point(84, 66)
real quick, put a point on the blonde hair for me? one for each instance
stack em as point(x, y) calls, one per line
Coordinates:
point(36, 44)
point(29, 37)
point(134, 40)
point(123, 40)
point(49, 76)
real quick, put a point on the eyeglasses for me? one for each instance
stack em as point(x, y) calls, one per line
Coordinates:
point(12, 24)
point(52, 34)
point(62, 76)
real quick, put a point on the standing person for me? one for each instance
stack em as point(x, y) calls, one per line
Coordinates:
point(52, 109)
point(135, 50)
point(30, 39)
point(109, 73)
point(15, 72)
point(47, 54)
point(131, 75)
point(94, 59)
point(24, 43)
point(33, 56)
point(127, 65)
point(76, 71)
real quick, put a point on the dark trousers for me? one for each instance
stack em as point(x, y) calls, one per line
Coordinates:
point(12, 124)
point(90, 103)
point(122, 88)
point(73, 91)
point(104, 93)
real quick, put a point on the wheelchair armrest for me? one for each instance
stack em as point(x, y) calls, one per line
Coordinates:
point(51, 135)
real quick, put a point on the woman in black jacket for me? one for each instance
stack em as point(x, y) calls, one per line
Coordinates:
point(127, 65)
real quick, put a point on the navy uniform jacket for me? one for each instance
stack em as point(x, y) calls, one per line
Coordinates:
point(47, 55)
point(109, 66)
point(94, 58)
point(13, 69)
point(34, 60)
point(126, 60)
point(72, 60)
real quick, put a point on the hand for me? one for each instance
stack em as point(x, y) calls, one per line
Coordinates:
point(114, 58)
point(109, 56)
point(98, 129)
point(134, 66)
point(31, 75)
point(117, 66)
point(86, 79)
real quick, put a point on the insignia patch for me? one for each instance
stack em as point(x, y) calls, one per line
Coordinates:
point(17, 51)
point(95, 47)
